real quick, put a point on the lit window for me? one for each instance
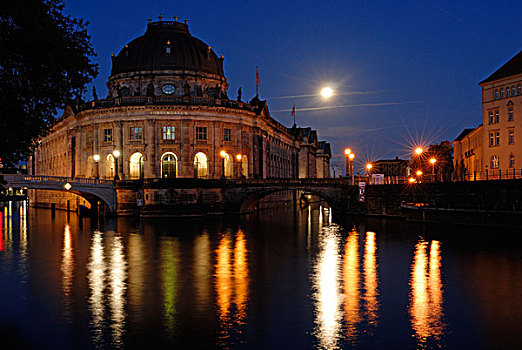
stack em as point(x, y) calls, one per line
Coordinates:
point(89, 138)
point(107, 135)
point(491, 139)
point(497, 138)
point(169, 133)
point(227, 135)
point(496, 116)
point(511, 160)
point(490, 118)
point(501, 93)
point(511, 137)
point(507, 92)
point(494, 162)
point(136, 133)
point(513, 90)
point(510, 114)
point(201, 133)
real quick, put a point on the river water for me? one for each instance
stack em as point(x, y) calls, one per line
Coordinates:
point(280, 279)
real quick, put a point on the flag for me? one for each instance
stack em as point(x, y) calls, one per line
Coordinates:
point(258, 79)
point(293, 113)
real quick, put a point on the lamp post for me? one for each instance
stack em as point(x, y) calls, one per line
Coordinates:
point(116, 155)
point(433, 161)
point(369, 167)
point(223, 155)
point(419, 174)
point(347, 153)
point(96, 158)
point(351, 156)
point(239, 157)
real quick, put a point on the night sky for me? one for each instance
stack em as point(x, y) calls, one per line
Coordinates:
point(402, 74)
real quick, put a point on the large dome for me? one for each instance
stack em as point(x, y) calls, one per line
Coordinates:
point(167, 45)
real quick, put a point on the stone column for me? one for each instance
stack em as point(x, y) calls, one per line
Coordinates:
point(151, 159)
point(118, 141)
point(186, 149)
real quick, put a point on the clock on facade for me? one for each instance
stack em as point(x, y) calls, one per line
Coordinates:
point(168, 89)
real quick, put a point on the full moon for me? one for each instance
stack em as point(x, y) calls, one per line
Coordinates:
point(326, 92)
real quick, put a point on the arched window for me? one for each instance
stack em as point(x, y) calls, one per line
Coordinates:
point(244, 166)
point(109, 166)
point(169, 165)
point(200, 166)
point(494, 162)
point(136, 166)
point(229, 166)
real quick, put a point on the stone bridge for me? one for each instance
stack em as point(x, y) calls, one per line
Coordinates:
point(93, 190)
point(158, 197)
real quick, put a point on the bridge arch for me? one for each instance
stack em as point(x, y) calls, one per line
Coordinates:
point(249, 201)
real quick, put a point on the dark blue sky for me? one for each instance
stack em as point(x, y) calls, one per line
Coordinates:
point(402, 73)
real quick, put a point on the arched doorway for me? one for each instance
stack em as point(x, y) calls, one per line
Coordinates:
point(109, 166)
point(200, 166)
point(136, 166)
point(244, 166)
point(169, 165)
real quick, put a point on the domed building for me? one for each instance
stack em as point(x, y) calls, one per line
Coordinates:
point(168, 114)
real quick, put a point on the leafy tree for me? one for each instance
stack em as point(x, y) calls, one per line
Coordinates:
point(45, 63)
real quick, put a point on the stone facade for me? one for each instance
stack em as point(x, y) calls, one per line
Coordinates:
point(167, 114)
point(493, 150)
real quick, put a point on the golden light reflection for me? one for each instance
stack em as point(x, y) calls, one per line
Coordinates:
point(137, 274)
point(241, 276)
point(351, 285)
point(96, 278)
point(170, 270)
point(371, 281)
point(1, 231)
point(202, 272)
point(23, 229)
point(67, 270)
point(426, 310)
point(232, 282)
point(117, 284)
point(327, 295)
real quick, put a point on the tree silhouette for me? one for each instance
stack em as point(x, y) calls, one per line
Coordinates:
point(45, 63)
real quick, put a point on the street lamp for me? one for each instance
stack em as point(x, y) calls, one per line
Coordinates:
point(351, 156)
point(327, 92)
point(418, 151)
point(223, 155)
point(239, 157)
point(116, 155)
point(347, 153)
point(419, 174)
point(433, 161)
point(96, 158)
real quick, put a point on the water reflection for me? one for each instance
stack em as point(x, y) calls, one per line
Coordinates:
point(96, 278)
point(231, 282)
point(1, 231)
point(351, 284)
point(107, 277)
point(67, 271)
point(371, 281)
point(347, 292)
point(202, 272)
point(169, 275)
point(426, 298)
point(117, 279)
point(327, 289)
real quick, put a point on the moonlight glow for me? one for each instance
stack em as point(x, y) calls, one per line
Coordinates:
point(326, 92)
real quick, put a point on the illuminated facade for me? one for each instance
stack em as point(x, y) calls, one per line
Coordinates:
point(491, 150)
point(168, 115)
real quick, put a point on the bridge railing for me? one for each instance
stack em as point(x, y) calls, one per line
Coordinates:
point(56, 179)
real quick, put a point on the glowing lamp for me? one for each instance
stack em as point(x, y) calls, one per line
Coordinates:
point(326, 92)
point(369, 166)
point(418, 150)
point(351, 156)
point(347, 151)
point(411, 180)
point(116, 153)
point(223, 154)
point(96, 157)
point(238, 157)
point(433, 160)
point(419, 172)
point(67, 186)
